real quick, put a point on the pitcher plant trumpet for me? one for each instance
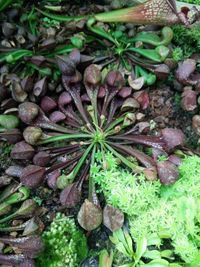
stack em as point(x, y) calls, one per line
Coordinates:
point(157, 12)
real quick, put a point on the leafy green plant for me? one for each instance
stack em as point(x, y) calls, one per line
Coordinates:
point(187, 40)
point(64, 244)
point(170, 212)
point(142, 255)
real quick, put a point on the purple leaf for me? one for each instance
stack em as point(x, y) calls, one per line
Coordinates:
point(143, 98)
point(162, 71)
point(66, 65)
point(27, 84)
point(31, 244)
point(125, 92)
point(42, 159)
point(12, 136)
point(189, 99)
point(185, 69)
point(70, 196)
point(48, 104)
point(57, 116)
point(32, 176)
point(15, 171)
point(52, 178)
point(113, 218)
point(40, 87)
point(167, 172)
point(173, 137)
point(11, 259)
point(22, 150)
point(28, 112)
point(75, 56)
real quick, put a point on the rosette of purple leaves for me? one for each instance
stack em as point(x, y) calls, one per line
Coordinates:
point(63, 134)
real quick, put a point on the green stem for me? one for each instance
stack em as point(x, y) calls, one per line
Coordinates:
point(135, 168)
point(61, 17)
point(64, 137)
point(91, 181)
point(113, 124)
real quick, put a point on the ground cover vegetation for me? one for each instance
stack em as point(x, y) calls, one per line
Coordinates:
point(99, 133)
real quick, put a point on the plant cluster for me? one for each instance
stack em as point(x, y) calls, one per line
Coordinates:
point(65, 245)
point(170, 212)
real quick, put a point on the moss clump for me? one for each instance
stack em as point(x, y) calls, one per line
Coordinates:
point(65, 245)
point(170, 212)
point(187, 40)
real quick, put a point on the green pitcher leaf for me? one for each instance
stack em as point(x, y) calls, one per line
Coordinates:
point(9, 121)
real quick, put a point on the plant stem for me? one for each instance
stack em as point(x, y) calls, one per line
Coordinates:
point(135, 168)
point(64, 137)
point(91, 182)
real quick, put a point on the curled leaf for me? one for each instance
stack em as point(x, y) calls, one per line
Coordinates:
point(185, 69)
point(9, 121)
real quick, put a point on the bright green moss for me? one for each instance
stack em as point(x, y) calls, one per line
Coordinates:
point(171, 212)
point(64, 244)
point(187, 40)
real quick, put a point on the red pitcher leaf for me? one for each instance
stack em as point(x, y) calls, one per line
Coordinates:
point(185, 69)
point(167, 172)
point(125, 92)
point(52, 178)
point(12, 136)
point(162, 71)
point(175, 160)
point(22, 150)
point(113, 218)
point(89, 216)
point(189, 99)
point(143, 98)
point(173, 137)
point(42, 159)
point(48, 104)
point(28, 112)
point(57, 116)
point(32, 176)
point(70, 196)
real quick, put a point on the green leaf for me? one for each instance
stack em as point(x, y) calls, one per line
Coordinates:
point(152, 254)
point(9, 121)
point(141, 248)
point(105, 260)
point(77, 42)
point(174, 265)
point(167, 253)
point(156, 263)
